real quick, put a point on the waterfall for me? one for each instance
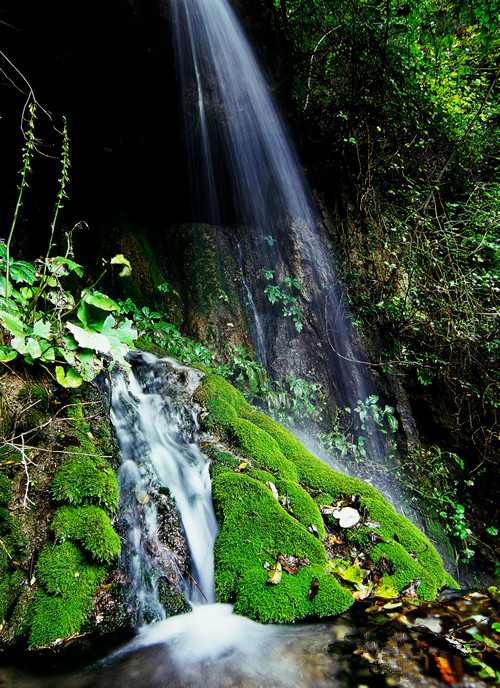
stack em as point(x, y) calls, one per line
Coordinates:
point(245, 173)
point(156, 430)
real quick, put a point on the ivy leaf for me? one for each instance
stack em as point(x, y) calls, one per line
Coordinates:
point(99, 300)
point(7, 354)
point(42, 329)
point(27, 346)
point(121, 336)
point(70, 378)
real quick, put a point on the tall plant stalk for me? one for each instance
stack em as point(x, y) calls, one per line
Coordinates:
point(27, 150)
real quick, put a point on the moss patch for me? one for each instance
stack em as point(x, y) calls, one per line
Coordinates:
point(90, 526)
point(259, 530)
point(255, 530)
point(86, 479)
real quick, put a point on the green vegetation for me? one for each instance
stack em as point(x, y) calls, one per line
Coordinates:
point(86, 479)
point(281, 294)
point(279, 507)
point(68, 583)
point(90, 526)
point(69, 332)
point(403, 99)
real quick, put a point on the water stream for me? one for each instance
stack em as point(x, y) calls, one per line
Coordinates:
point(245, 174)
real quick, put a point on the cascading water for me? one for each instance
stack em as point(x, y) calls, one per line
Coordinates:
point(245, 174)
point(155, 430)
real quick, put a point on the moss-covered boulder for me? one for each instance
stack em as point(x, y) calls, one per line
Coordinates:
point(284, 550)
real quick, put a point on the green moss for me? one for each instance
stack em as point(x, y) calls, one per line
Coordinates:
point(90, 526)
point(9, 588)
point(4, 490)
point(215, 387)
point(221, 415)
point(63, 569)
point(69, 581)
point(56, 617)
point(259, 474)
point(311, 592)
point(86, 479)
point(255, 526)
point(395, 527)
point(302, 506)
point(255, 529)
point(450, 581)
point(260, 448)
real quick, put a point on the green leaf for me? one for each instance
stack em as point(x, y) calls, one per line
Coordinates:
point(48, 354)
point(7, 354)
point(89, 340)
point(70, 378)
point(13, 324)
point(42, 329)
point(20, 271)
point(99, 300)
point(120, 259)
point(33, 348)
point(69, 264)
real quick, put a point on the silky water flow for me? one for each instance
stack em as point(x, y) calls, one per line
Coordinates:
point(247, 181)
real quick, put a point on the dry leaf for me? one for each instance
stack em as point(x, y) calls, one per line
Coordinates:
point(273, 489)
point(275, 573)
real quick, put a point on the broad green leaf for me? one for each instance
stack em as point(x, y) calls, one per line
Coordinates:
point(20, 271)
point(48, 354)
point(99, 300)
point(13, 324)
point(69, 264)
point(33, 347)
point(89, 340)
point(7, 354)
point(120, 259)
point(70, 378)
point(120, 334)
point(26, 292)
point(42, 329)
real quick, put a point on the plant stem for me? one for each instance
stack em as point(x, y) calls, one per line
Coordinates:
point(27, 155)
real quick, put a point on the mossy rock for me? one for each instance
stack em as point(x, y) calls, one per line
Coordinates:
point(86, 479)
point(5, 490)
point(65, 570)
point(90, 526)
point(257, 528)
point(56, 617)
point(68, 582)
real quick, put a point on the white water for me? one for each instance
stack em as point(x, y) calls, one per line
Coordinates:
point(245, 173)
point(156, 434)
